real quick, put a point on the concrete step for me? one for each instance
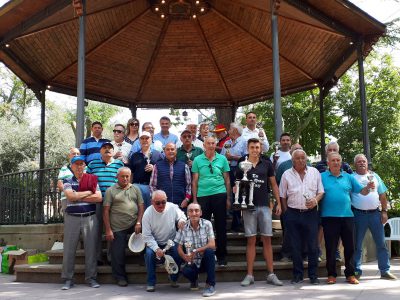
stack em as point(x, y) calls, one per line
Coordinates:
point(233, 272)
point(235, 253)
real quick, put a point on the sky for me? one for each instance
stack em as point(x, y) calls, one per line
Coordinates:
point(382, 10)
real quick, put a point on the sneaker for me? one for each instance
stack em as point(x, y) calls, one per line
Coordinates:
point(388, 276)
point(273, 279)
point(67, 285)
point(122, 282)
point(314, 281)
point(194, 286)
point(296, 280)
point(285, 259)
point(357, 275)
point(173, 284)
point(150, 288)
point(331, 280)
point(352, 280)
point(249, 279)
point(93, 283)
point(222, 262)
point(209, 291)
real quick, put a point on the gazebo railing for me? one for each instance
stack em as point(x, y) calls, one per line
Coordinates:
point(30, 197)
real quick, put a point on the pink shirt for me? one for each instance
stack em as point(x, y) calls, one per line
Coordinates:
point(293, 188)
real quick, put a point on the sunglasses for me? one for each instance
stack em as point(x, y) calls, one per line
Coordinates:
point(117, 131)
point(134, 124)
point(211, 169)
point(160, 202)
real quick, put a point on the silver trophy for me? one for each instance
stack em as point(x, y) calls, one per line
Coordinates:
point(370, 177)
point(259, 126)
point(188, 247)
point(170, 243)
point(227, 146)
point(276, 146)
point(306, 196)
point(251, 194)
point(245, 166)
point(236, 204)
point(189, 155)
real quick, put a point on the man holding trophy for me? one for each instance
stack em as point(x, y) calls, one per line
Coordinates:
point(198, 241)
point(256, 173)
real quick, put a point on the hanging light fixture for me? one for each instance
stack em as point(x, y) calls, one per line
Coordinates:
point(179, 9)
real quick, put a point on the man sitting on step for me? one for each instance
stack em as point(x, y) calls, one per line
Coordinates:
point(80, 218)
point(198, 239)
point(159, 223)
point(262, 174)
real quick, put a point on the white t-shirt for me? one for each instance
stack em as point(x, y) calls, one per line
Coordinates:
point(370, 201)
point(283, 156)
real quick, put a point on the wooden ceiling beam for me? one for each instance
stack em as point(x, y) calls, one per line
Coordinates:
point(264, 45)
point(153, 59)
point(323, 18)
point(102, 43)
point(211, 54)
point(70, 20)
point(37, 18)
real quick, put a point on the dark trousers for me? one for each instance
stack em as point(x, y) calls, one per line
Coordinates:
point(286, 250)
point(335, 228)
point(236, 214)
point(117, 249)
point(207, 265)
point(216, 205)
point(302, 230)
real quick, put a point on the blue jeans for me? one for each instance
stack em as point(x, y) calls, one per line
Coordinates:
point(117, 250)
point(152, 261)
point(371, 221)
point(207, 265)
point(145, 190)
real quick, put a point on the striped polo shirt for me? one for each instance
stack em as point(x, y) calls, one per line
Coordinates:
point(106, 173)
point(77, 207)
point(90, 148)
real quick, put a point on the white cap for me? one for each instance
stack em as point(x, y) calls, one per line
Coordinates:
point(145, 133)
point(136, 243)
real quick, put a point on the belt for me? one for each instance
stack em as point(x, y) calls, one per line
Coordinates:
point(86, 214)
point(302, 210)
point(365, 211)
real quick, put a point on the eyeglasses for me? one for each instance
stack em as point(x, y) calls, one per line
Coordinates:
point(134, 124)
point(211, 169)
point(160, 202)
point(117, 131)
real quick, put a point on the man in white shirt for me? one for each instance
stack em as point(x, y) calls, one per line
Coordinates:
point(121, 147)
point(158, 226)
point(250, 131)
point(367, 216)
point(282, 154)
point(300, 191)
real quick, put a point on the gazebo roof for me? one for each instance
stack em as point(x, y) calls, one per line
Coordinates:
point(220, 58)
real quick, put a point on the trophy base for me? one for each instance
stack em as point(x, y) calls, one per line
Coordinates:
point(236, 206)
point(250, 206)
point(243, 206)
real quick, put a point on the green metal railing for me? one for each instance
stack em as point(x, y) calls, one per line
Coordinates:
point(30, 197)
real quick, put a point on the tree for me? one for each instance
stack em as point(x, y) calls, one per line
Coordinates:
point(15, 97)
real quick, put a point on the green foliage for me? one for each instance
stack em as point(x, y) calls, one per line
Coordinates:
point(15, 97)
point(94, 111)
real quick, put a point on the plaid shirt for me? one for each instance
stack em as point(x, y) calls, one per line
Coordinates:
point(198, 238)
point(188, 179)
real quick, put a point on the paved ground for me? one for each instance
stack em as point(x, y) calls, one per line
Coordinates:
point(371, 287)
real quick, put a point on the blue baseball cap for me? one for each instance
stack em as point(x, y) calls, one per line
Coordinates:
point(77, 158)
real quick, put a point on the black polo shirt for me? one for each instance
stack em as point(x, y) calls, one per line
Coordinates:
point(259, 175)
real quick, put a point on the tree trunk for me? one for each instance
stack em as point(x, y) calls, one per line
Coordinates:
point(225, 115)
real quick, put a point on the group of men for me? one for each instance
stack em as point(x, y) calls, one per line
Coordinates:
point(147, 185)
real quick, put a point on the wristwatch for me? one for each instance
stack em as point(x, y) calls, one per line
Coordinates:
point(384, 210)
point(138, 223)
point(194, 250)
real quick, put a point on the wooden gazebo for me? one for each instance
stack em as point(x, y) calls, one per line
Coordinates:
point(187, 53)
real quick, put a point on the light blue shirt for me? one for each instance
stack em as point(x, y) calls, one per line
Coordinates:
point(238, 148)
point(337, 201)
point(170, 138)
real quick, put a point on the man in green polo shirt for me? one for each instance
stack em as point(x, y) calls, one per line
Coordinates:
point(122, 214)
point(211, 188)
point(187, 152)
